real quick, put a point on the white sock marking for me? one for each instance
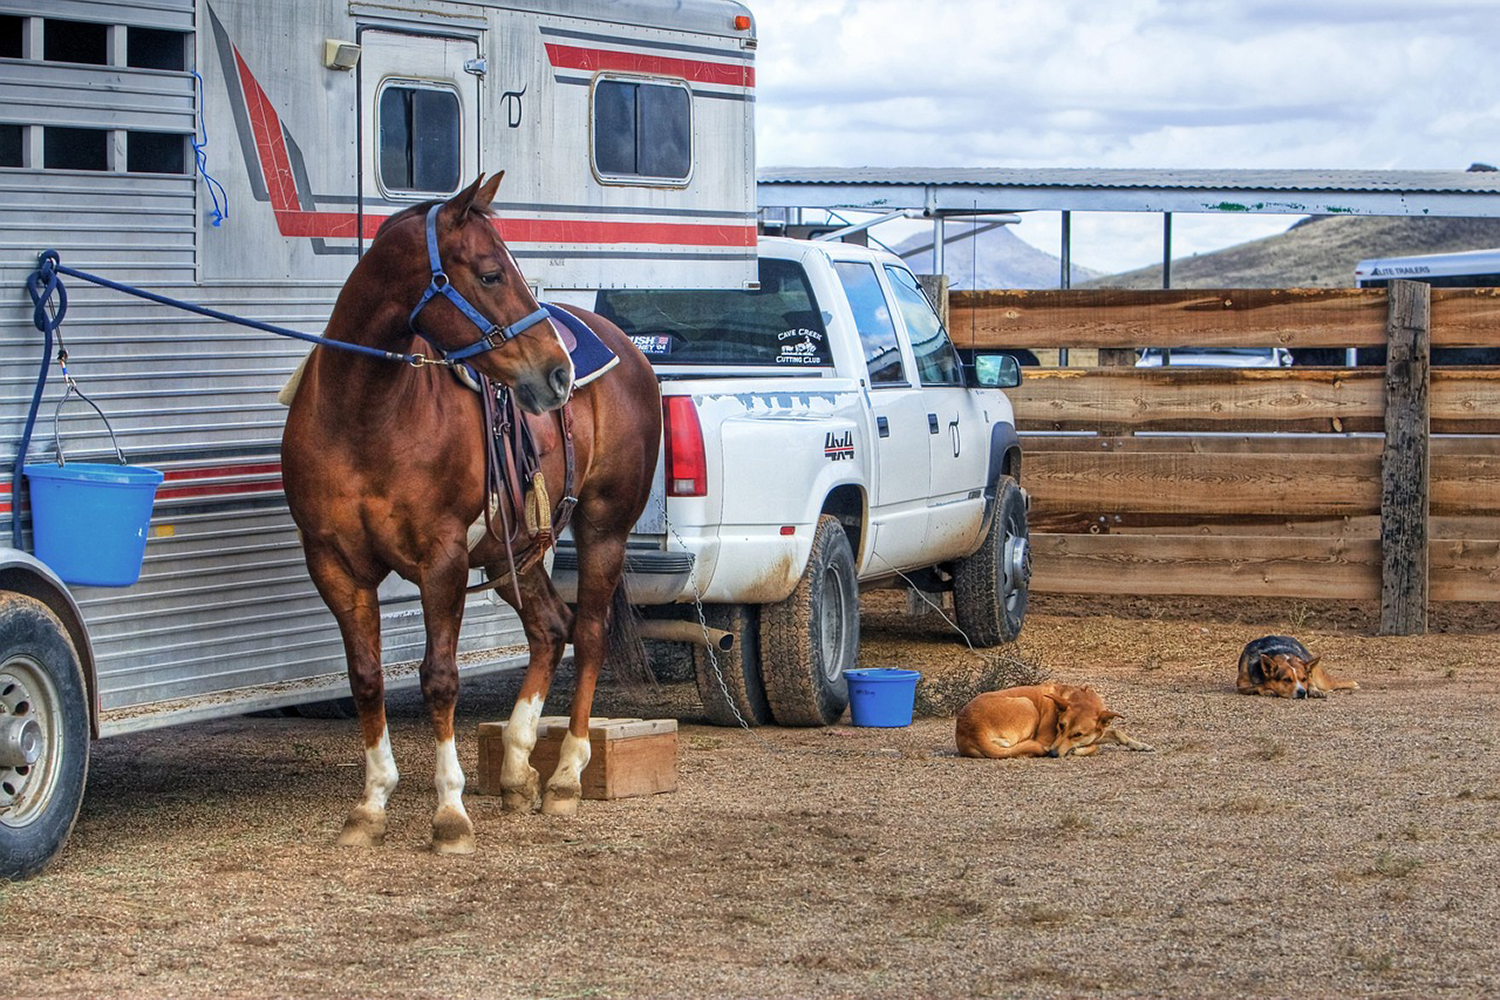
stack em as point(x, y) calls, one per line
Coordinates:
point(448, 777)
point(520, 738)
point(380, 773)
point(571, 760)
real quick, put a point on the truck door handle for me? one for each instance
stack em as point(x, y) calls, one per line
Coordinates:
point(883, 426)
point(932, 422)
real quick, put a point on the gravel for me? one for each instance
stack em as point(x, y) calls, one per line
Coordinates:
point(1269, 848)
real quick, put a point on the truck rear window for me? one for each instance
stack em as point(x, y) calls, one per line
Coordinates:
point(778, 324)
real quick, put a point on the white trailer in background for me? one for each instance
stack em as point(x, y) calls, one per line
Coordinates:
point(240, 154)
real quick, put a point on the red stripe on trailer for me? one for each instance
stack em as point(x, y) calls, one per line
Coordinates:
point(696, 70)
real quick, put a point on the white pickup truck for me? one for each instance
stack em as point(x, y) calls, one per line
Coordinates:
point(821, 437)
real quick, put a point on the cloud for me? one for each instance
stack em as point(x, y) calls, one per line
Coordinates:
point(1213, 84)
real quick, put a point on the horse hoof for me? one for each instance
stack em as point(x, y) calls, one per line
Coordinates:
point(560, 803)
point(452, 833)
point(518, 802)
point(363, 829)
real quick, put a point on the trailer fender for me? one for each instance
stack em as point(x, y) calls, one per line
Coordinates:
point(22, 573)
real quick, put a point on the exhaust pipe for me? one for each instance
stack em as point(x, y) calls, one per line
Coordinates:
point(672, 630)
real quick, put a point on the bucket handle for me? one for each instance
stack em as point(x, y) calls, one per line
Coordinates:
point(72, 390)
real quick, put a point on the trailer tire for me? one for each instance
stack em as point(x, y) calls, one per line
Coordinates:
point(741, 695)
point(808, 640)
point(991, 587)
point(41, 681)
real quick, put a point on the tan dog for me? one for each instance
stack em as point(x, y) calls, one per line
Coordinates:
point(1281, 667)
point(1041, 720)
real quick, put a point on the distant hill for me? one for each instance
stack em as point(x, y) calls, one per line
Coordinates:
point(1318, 252)
point(999, 259)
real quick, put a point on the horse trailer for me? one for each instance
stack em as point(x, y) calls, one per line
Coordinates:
point(240, 154)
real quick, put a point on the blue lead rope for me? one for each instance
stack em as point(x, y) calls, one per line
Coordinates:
point(44, 283)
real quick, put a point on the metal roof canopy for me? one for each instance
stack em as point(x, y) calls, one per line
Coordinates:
point(961, 191)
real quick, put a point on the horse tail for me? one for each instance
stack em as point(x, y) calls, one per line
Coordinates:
point(624, 651)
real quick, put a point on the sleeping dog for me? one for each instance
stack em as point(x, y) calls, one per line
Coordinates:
point(1281, 667)
point(1040, 720)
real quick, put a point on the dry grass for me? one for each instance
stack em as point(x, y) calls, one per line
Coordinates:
point(1343, 847)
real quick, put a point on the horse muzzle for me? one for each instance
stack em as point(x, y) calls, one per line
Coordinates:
point(548, 393)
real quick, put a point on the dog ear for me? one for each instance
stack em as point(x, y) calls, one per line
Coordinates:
point(1312, 661)
point(1266, 659)
point(1106, 715)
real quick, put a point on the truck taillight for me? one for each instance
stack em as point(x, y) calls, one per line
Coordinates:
point(687, 468)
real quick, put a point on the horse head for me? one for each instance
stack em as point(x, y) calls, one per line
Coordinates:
point(477, 307)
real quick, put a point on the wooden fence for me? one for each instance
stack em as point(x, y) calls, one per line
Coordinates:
point(1356, 483)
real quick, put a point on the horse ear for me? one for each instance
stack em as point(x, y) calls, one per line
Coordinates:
point(478, 195)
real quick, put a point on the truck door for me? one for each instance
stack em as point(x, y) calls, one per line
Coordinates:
point(958, 433)
point(419, 120)
point(899, 506)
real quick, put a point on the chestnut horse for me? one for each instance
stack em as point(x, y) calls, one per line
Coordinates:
point(384, 470)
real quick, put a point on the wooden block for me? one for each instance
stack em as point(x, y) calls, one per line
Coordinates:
point(627, 757)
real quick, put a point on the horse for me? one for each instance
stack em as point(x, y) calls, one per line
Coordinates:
point(384, 471)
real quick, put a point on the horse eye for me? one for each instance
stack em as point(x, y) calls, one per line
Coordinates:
point(493, 278)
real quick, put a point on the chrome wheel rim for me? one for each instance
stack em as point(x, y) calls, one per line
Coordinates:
point(832, 630)
point(27, 692)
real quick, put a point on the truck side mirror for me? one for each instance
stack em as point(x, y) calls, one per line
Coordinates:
point(996, 371)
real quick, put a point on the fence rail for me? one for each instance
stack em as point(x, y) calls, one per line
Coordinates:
point(1298, 482)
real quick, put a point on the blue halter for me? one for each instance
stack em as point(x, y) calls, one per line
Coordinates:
point(491, 335)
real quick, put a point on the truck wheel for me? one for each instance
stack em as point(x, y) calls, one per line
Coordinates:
point(44, 736)
point(808, 640)
point(734, 691)
point(990, 587)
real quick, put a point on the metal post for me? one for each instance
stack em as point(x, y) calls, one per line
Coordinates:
point(937, 245)
point(1065, 280)
point(1166, 249)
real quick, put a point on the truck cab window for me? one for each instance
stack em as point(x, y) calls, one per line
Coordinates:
point(420, 138)
point(873, 320)
point(778, 323)
point(937, 361)
point(642, 130)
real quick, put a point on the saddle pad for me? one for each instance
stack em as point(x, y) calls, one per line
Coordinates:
point(591, 358)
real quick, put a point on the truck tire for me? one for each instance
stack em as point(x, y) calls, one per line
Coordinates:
point(44, 716)
point(808, 640)
point(734, 691)
point(990, 587)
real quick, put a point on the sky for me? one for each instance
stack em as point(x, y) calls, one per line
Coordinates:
point(1209, 84)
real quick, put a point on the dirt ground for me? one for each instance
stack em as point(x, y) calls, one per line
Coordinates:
point(1346, 847)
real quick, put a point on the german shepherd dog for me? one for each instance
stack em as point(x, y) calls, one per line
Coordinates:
point(1281, 667)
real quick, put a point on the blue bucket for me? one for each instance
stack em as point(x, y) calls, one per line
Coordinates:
point(881, 696)
point(88, 521)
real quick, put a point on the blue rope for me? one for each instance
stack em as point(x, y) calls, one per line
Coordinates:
point(41, 285)
point(49, 266)
point(200, 154)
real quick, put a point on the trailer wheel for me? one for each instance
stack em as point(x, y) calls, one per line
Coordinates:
point(808, 640)
point(990, 587)
point(44, 736)
point(734, 691)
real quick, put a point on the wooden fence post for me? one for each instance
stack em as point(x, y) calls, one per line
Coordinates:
point(936, 287)
point(1404, 461)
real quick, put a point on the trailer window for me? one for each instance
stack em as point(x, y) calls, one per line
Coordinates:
point(75, 42)
point(642, 130)
point(11, 33)
point(937, 361)
point(10, 146)
point(153, 48)
point(420, 139)
point(873, 320)
point(155, 153)
point(778, 324)
point(75, 148)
